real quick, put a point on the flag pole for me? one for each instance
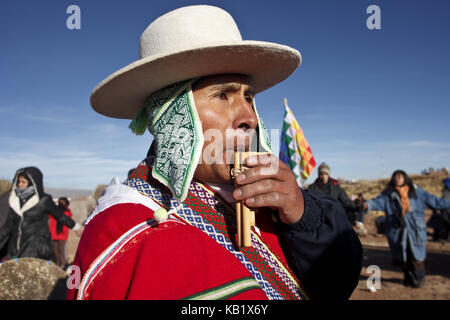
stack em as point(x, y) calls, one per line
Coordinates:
point(285, 102)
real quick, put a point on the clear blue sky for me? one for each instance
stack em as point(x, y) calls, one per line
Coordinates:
point(368, 101)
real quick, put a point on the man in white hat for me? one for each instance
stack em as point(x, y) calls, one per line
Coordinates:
point(169, 231)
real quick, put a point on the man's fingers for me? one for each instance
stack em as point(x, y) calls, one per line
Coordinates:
point(262, 167)
point(253, 189)
point(271, 199)
point(265, 160)
point(258, 173)
point(260, 160)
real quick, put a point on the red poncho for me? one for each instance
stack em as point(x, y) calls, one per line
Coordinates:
point(125, 254)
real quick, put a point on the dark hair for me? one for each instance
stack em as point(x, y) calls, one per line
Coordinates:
point(391, 185)
point(66, 201)
point(25, 176)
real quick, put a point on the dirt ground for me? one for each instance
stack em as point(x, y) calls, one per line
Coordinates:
point(376, 252)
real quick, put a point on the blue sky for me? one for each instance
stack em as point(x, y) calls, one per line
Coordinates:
point(368, 101)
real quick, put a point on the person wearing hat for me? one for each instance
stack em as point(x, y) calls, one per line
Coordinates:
point(60, 233)
point(327, 185)
point(169, 230)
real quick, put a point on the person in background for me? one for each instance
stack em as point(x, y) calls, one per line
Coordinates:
point(60, 233)
point(327, 185)
point(4, 208)
point(26, 232)
point(358, 215)
point(404, 204)
point(380, 219)
point(440, 220)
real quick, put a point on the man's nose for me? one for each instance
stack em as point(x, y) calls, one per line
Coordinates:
point(246, 118)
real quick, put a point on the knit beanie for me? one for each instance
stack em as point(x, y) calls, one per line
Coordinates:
point(324, 168)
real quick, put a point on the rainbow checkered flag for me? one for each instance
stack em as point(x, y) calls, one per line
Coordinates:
point(294, 149)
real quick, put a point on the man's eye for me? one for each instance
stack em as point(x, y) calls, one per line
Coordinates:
point(249, 99)
point(221, 95)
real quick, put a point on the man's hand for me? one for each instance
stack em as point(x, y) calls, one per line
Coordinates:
point(270, 183)
point(79, 232)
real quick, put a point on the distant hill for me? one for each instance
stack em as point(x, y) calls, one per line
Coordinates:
point(5, 186)
point(70, 193)
point(371, 188)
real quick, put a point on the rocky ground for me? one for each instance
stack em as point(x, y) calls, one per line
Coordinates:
point(31, 279)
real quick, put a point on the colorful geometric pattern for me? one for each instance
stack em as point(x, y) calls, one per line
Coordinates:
point(178, 132)
point(202, 210)
point(188, 215)
point(258, 254)
point(294, 148)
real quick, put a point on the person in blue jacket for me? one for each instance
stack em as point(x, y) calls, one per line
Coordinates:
point(404, 204)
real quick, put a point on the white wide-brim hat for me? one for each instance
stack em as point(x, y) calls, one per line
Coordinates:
point(186, 43)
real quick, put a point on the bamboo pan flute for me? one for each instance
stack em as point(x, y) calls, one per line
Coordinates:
point(245, 218)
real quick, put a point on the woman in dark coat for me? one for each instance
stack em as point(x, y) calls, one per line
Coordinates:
point(26, 231)
point(404, 204)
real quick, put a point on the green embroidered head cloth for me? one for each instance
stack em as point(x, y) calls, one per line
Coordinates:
point(173, 121)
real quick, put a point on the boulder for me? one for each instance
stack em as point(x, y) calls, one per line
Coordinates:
point(32, 279)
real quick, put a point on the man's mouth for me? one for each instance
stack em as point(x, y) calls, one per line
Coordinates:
point(239, 140)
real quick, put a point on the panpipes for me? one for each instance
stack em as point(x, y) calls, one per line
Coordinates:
point(245, 218)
